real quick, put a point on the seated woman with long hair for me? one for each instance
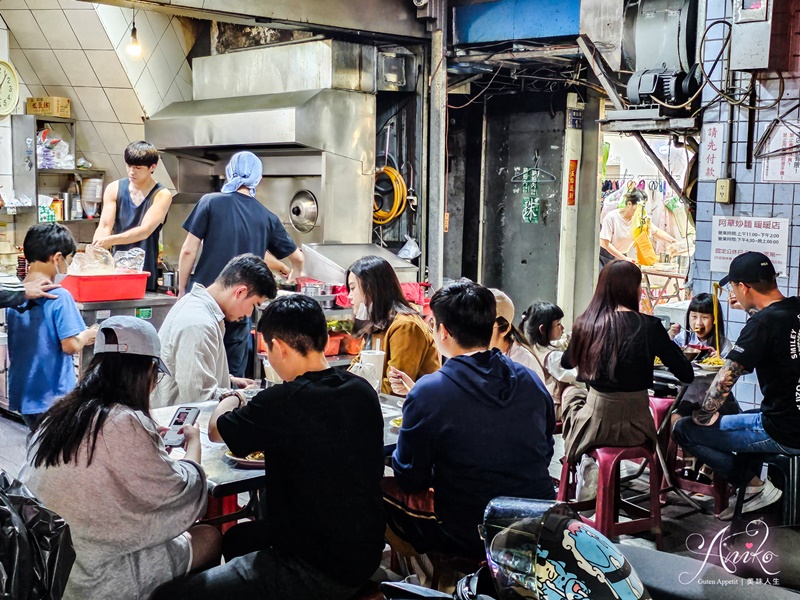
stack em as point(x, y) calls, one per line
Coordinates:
point(98, 460)
point(613, 346)
point(385, 318)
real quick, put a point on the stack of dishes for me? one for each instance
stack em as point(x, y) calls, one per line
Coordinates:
point(91, 196)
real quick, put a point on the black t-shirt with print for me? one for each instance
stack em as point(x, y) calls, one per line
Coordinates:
point(770, 345)
point(322, 438)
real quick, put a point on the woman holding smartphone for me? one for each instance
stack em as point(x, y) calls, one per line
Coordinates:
point(98, 460)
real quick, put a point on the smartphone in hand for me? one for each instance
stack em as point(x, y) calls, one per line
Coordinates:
point(185, 415)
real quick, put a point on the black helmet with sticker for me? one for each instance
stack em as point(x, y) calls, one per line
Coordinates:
point(541, 549)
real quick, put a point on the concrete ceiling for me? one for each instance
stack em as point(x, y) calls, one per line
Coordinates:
point(389, 19)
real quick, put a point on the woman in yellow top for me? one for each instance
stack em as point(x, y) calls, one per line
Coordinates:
point(385, 318)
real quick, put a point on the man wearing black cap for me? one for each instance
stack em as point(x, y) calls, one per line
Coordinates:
point(769, 345)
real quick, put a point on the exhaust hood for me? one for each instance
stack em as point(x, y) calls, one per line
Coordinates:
point(337, 121)
point(306, 109)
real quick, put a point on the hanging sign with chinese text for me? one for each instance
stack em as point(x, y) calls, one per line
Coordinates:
point(711, 148)
point(732, 236)
point(531, 204)
point(782, 154)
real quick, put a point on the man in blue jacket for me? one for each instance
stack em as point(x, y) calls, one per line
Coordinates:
point(480, 427)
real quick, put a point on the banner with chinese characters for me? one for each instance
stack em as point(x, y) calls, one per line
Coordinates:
point(711, 149)
point(732, 236)
point(782, 154)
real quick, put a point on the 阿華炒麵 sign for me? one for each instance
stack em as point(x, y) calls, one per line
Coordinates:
point(732, 236)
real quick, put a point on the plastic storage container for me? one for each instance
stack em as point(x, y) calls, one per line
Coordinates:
point(104, 288)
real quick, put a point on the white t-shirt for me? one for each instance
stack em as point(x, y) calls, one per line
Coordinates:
point(617, 230)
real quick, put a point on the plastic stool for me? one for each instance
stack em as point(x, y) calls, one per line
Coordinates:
point(609, 502)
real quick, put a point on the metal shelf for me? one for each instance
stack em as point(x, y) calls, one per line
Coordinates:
point(17, 210)
point(70, 171)
point(97, 220)
point(52, 119)
point(340, 314)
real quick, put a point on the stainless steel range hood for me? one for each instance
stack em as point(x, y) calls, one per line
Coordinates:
point(327, 120)
point(306, 109)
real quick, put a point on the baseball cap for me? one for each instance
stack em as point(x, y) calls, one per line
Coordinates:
point(134, 336)
point(749, 268)
point(505, 307)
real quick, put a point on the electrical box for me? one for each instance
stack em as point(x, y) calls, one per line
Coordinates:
point(760, 36)
point(724, 191)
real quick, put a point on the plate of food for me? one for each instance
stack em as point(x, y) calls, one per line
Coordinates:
point(657, 364)
point(711, 363)
point(251, 461)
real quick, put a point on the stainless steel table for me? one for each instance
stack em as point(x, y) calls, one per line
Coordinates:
point(153, 308)
point(226, 477)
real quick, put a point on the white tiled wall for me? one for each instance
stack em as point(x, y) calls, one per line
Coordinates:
point(753, 197)
point(77, 50)
point(5, 122)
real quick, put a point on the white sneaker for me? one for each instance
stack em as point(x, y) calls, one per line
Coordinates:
point(586, 485)
point(755, 497)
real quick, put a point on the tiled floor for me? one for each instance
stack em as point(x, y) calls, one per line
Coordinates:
point(12, 445)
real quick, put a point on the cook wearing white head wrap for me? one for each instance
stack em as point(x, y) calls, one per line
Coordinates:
point(244, 169)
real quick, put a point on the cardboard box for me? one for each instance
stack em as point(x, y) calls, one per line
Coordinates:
point(49, 106)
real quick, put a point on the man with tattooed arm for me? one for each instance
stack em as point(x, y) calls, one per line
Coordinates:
point(769, 345)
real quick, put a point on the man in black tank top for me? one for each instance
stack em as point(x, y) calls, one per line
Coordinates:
point(135, 209)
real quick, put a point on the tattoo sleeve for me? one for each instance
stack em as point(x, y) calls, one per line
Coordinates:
point(719, 391)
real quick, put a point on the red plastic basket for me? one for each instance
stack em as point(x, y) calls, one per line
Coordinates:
point(104, 288)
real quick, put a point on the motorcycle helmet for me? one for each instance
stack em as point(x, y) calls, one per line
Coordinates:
point(540, 549)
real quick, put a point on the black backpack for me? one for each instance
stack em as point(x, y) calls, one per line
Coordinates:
point(36, 553)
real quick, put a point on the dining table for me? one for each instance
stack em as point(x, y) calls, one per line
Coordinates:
point(226, 477)
point(662, 375)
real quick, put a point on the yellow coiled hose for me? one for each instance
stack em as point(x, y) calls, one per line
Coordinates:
point(382, 217)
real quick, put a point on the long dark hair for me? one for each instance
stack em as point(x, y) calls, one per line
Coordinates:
point(596, 335)
point(704, 303)
point(537, 321)
point(382, 292)
point(110, 379)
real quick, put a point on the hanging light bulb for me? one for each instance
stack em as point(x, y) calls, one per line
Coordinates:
point(134, 48)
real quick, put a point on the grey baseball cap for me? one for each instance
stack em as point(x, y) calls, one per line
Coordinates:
point(134, 336)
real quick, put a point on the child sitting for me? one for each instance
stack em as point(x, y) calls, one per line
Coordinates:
point(44, 333)
point(701, 330)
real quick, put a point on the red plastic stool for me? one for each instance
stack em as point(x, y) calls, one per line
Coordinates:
point(220, 507)
point(609, 502)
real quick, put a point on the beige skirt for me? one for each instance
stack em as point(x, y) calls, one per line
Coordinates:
point(600, 419)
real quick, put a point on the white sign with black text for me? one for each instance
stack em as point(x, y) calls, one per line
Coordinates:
point(711, 147)
point(732, 236)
